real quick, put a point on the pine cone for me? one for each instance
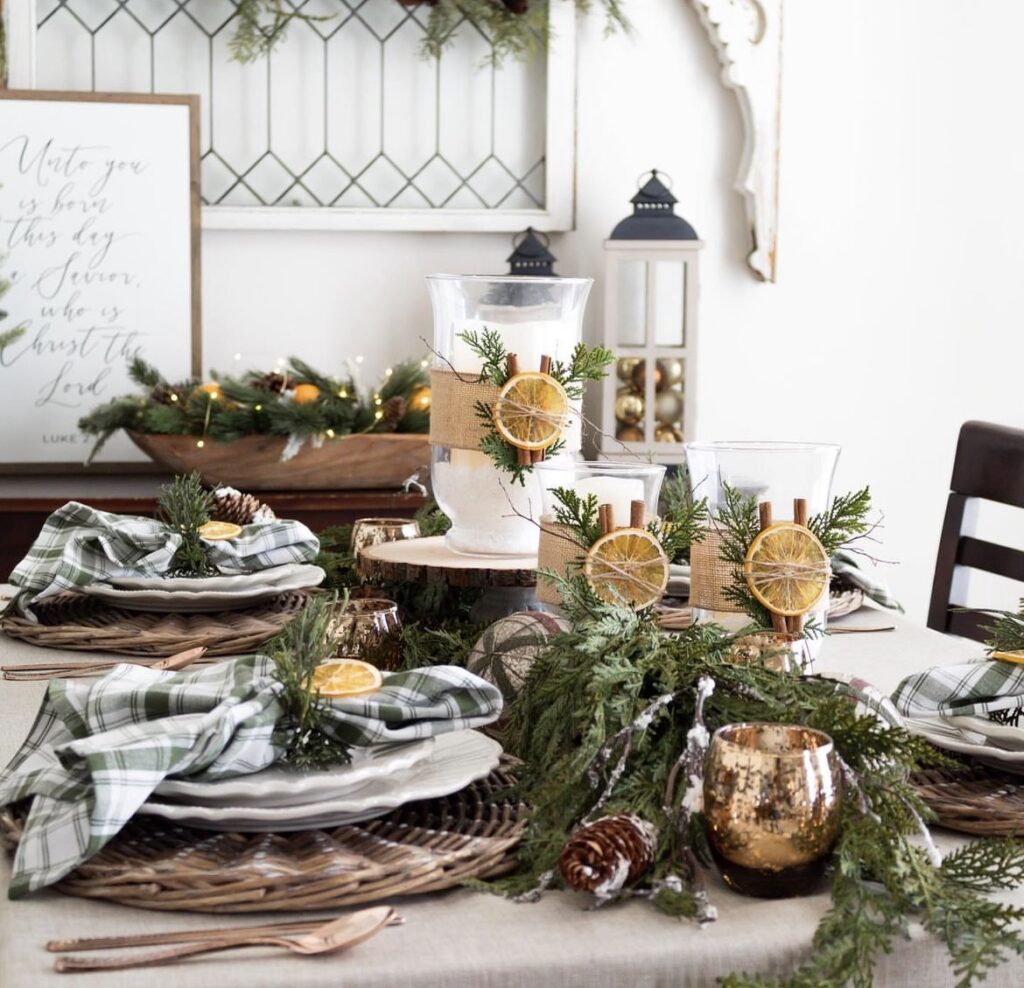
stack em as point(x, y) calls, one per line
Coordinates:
point(271, 382)
point(608, 854)
point(238, 508)
point(161, 394)
point(393, 409)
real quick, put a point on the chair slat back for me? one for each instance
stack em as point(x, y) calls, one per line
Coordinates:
point(989, 464)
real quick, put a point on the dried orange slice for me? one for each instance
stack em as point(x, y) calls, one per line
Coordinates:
point(787, 568)
point(346, 677)
point(627, 566)
point(219, 531)
point(531, 411)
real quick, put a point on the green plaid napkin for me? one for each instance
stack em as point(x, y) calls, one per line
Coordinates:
point(99, 748)
point(847, 566)
point(79, 545)
point(970, 689)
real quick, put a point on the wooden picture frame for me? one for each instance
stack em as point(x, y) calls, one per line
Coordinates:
point(193, 341)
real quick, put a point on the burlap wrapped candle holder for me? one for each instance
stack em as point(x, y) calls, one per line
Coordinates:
point(453, 415)
point(711, 575)
point(558, 552)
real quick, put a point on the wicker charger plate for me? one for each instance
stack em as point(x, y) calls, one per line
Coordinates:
point(974, 799)
point(74, 621)
point(422, 847)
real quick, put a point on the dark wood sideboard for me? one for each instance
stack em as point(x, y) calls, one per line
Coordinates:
point(25, 503)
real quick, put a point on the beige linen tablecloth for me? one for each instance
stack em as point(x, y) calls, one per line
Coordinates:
point(464, 939)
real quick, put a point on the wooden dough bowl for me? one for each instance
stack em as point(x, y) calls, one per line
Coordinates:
point(357, 462)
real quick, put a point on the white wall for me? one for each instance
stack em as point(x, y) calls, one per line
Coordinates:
point(896, 314)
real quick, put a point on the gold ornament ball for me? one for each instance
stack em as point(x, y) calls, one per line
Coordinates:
point(630, 434)
point(211, 388)
point(629, 407)
point(671, 371)
point(666, 434)
point(305, 393)
point(668, 407)
point(625, 366)
point(640, 376)
point(419, 400)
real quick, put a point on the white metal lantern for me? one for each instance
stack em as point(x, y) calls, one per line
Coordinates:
point(650, 324)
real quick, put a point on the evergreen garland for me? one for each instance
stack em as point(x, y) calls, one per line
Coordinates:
point(604, 716)
point(515, 28)
point(258, 403)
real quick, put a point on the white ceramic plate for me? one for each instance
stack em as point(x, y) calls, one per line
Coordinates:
point(284, 787)
point(951, 737)
point(195, 601)
point(198, 584)
point(456, 760)
point(1001, 735)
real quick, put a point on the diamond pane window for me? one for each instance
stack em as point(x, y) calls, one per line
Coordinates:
point(344, 124)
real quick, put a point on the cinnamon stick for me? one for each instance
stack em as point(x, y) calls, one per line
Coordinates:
point(637, 514)
point(545, 368)
point(764, 514)
point(523, 456)
point(796, 621)
point(606, 518)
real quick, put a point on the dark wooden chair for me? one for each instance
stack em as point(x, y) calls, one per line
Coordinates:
point(989, 464)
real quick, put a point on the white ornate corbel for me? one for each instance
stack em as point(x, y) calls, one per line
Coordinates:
point(747, 34)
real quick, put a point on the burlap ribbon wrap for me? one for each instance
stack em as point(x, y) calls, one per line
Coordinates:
point(558, 549)
point(710, 574)
point(453, 418)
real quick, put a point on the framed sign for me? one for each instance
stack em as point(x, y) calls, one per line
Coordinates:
point(99, 240)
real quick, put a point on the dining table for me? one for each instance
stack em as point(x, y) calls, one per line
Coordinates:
point(464, 938)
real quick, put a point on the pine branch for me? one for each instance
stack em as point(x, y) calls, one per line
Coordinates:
point(144, 374)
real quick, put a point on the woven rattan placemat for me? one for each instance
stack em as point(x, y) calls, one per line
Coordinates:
point(75, 621)
point(974, 798)
point(421, 847)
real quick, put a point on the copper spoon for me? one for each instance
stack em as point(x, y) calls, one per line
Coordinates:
point(338, 934)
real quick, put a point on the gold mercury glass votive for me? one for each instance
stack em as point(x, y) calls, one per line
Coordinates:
point(772, 802)
point(361, 624)
point(376, 531)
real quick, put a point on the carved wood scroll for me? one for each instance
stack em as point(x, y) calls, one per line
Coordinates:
point(747, 34)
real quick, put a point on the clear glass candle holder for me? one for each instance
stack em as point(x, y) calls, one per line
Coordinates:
point(773, 472)
point(614, 483)
point(533, 317)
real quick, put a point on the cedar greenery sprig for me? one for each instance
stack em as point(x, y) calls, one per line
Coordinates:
point(843, 521)
point(675, 533)
point(184, 505)
point(304, 734)
point(586, 364)
point(597, 680)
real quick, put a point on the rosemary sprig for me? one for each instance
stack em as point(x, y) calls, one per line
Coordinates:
point(184, 505)
point(304, 733)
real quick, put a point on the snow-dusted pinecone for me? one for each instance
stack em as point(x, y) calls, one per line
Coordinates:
point(608, 854)
point(241, 509)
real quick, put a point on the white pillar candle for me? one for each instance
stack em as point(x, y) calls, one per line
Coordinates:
point(528, 340)
point(619, 492)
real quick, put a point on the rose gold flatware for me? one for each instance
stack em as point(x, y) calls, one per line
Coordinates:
point(860, 631)
point(33, 671)
point(338, 934)
point(286, 928)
